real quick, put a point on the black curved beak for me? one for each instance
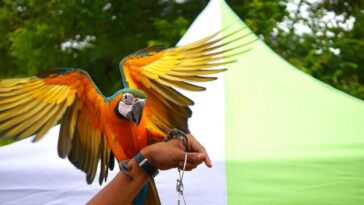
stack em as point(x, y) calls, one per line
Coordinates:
point(135, 115)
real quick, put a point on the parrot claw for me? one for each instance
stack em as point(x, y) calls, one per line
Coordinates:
point(178, 134)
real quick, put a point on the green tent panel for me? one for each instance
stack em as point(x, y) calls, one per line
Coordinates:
point(290, 139)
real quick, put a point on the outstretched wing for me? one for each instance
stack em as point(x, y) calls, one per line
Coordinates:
point(31, 106)
point(159, 71)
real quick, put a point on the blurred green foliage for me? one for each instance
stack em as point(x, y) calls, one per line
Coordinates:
point(96, 34)
point(99, 33)
point(313, 52)
point(5, 141)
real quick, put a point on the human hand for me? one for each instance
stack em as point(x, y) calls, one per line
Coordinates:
point(167, 155)
point(195, 146)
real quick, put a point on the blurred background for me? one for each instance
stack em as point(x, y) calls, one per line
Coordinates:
point(324, 38)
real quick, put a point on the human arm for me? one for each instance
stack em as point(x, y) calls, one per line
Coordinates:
point(164, 155)
point(121, 190)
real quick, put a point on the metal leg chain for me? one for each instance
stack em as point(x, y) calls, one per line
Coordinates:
point(179, 186)
point(178, 134)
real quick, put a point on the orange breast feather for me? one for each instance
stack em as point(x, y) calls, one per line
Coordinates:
point(124, 138)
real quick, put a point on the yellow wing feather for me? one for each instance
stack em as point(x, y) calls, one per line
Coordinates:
point(31, 106)
point(158, 72)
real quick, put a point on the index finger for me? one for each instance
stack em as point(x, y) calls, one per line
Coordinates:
point(195, 146)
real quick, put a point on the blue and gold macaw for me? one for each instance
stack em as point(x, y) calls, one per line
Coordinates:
point(96, 129)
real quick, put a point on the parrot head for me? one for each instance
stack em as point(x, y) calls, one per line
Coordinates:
point(131, 105)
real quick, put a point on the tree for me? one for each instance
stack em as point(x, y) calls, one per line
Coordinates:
point(90, 34)
point(95, 34)
point(323, 38)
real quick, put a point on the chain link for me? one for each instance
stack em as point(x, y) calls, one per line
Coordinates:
point(178, 134)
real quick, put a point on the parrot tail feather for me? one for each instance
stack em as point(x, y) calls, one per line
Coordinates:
point(148, 195)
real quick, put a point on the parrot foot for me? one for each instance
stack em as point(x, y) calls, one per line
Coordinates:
point(178, 134)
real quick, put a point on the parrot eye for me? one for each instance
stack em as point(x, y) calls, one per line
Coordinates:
point(128, 98)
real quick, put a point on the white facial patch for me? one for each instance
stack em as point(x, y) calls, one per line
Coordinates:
point(127, 102)
point(124, 108)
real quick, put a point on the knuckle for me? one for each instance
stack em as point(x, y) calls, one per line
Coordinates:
point(194, 158)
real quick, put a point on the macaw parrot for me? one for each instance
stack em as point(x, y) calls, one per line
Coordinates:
point(96, 129)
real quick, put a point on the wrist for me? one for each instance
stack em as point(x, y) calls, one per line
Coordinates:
point(146, 152)
point(149, 153)
point(146, 164)
point(131, 169)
